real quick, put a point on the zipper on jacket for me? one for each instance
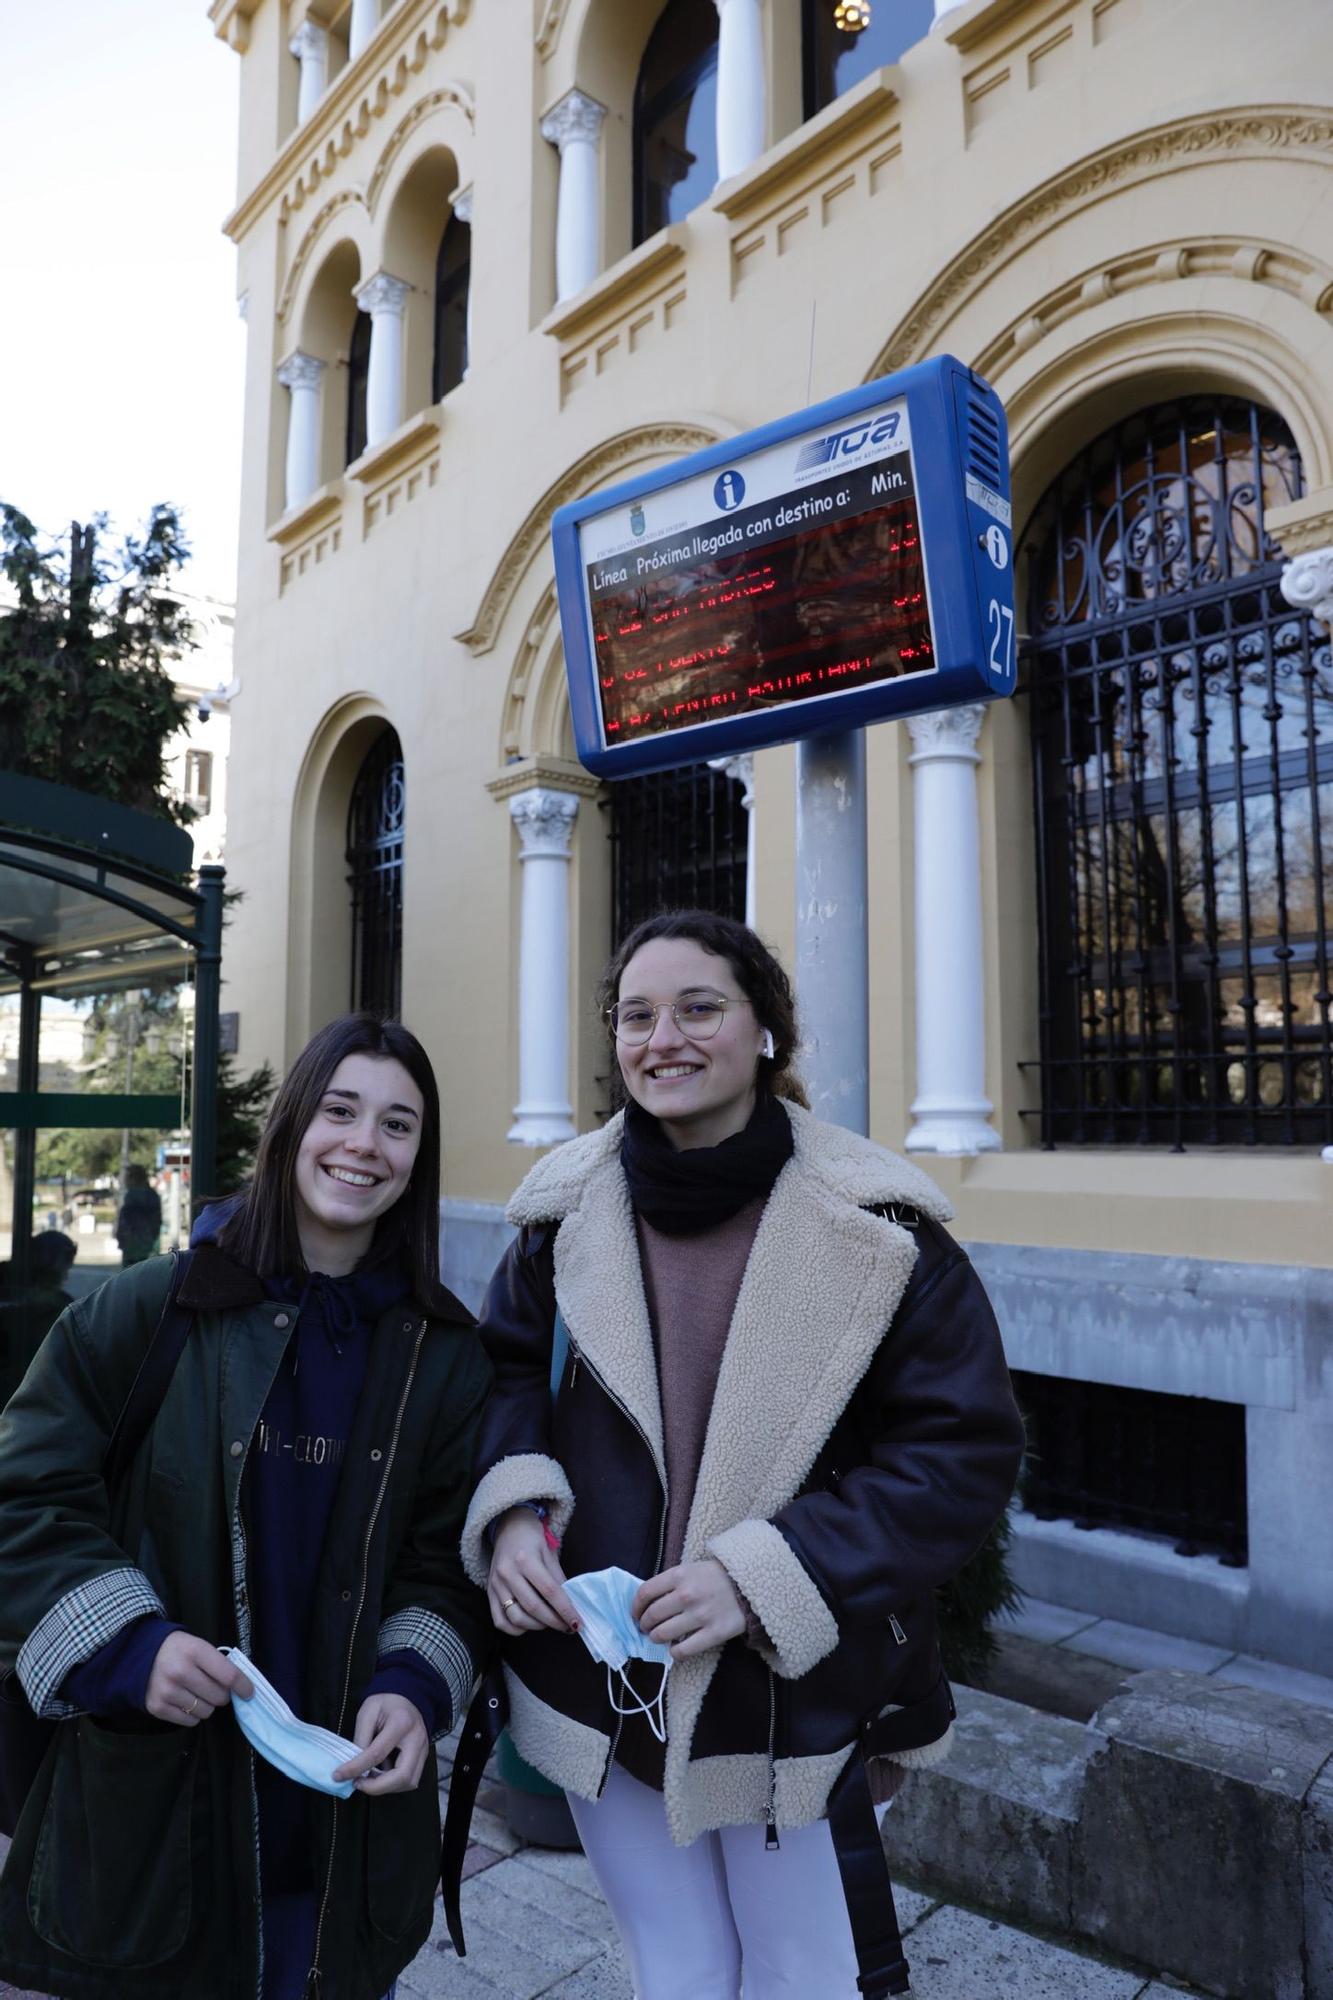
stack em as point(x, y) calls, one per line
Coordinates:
point(314, 1985)
point(771, 1841)
point(899, 1635)
point(574, 1370)
point(634, 1424)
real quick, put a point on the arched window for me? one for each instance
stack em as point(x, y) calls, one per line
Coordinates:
point(675, 117)
point(375, 878)
point(358, 374)
point(1182, 729)
point(844, 40)
point(453, 271)
point(678, 841)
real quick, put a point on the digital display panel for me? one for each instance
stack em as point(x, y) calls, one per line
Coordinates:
point(841, 566)
point(726, 621)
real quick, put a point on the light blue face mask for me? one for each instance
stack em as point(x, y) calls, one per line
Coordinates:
point(608, 1630)
point(300, 1750)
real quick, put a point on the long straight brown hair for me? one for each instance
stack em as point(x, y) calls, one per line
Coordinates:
point(262, 1232)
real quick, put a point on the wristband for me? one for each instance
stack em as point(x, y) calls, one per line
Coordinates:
point(543, 1515)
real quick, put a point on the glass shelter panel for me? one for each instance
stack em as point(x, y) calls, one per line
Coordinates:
point(1182, 729)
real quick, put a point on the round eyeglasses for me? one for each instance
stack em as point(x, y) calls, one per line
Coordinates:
point(699, 1018)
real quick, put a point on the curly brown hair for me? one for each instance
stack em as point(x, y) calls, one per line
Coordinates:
point(759, 975)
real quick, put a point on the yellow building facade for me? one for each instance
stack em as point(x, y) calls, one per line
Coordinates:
point(473, 291)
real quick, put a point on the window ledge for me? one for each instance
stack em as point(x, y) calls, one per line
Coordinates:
point(608, 293)
point(402, 448)
point(298, 522)
point(976, 24)
point(829, 130)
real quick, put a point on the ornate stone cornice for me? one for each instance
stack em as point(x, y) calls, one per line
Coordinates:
point(231, 22)
point(349, 198)
point(594, 469)
point(545, 823)
point(575, 117)
point(1274, 266)
point(366, 90)
point(425, 107)
point(741, 768)
point(947, 733)
point(1303, 524)
point(383, 293)
point(301, 371)
point(1307, 584)
point(544, 773)
point(1280, 132)
point(549, 26)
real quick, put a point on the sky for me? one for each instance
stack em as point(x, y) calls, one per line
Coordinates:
point(121, 350)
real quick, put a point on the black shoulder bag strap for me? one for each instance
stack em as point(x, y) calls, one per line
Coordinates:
point(485, 1719)
point(154, 1377)
point(880, 1960)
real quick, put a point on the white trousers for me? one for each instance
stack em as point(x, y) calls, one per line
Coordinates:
point(697, 1920)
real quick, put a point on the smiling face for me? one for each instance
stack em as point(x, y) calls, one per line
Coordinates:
point(355, 1159)
point(701, 1092)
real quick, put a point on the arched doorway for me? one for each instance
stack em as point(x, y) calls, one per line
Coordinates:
point(1182, 740)
point(375, 877)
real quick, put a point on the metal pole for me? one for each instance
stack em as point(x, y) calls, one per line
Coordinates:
point(832, 954)
point(25, 1136)
point(207, 992)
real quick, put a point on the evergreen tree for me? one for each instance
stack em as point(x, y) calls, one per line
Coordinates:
point(980, 1592)
point(242, 1104)
point(86, 693)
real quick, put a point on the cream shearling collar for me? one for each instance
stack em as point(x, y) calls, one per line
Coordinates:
point(862, 1172)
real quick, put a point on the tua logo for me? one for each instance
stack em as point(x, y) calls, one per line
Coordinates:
point(846, 444)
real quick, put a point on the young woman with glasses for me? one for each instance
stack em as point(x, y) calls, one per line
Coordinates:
point(300, 1495)
point(783, 1409)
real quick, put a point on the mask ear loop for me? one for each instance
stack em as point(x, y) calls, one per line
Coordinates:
point(654, 1712)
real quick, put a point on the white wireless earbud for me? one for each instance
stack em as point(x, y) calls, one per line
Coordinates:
point(766, 1045)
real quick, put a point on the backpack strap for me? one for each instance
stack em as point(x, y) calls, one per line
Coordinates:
point(154, 1377)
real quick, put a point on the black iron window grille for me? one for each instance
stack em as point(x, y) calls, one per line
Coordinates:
point(678, 841)
point(1182, 732)
point(1137, 1459)
point(675, 117)
point(375, 877)
point(453, 275)
point(358, 380)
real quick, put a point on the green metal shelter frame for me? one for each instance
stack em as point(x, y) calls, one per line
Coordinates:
point(96, 898)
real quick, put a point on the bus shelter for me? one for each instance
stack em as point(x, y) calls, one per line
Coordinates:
point(97, 899)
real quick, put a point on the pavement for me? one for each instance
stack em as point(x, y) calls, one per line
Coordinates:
point(537, 1929)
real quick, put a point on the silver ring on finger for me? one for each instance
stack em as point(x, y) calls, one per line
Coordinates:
point(508, 1604)
point(193, 1706)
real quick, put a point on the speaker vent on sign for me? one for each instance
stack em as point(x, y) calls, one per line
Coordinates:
point(983, 442)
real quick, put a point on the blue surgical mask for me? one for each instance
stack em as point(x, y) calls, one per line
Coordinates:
point(609, 1631)
point(300, 1750)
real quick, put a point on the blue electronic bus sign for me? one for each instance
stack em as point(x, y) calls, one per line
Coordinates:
point(851, 563)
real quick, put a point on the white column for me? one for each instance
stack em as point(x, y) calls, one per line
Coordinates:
point(951, 1108)
point(1307, 584)
point(461, 203)
point(384, 298)
point(300, 376)
point(741, 96)
point(361, 28)
point(543, 1115)
point(310, 46)
point(574, 125)
point(741, 768)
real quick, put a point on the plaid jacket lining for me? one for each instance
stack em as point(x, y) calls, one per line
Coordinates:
point(439, 1645)
point(75, 1628)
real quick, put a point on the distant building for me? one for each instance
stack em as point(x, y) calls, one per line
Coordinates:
point(493, 257)
point(196, 757)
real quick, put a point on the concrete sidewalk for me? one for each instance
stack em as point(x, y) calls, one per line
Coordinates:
point(537, 1929)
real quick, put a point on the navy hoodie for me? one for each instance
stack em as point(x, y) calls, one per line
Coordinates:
point(291, 1480)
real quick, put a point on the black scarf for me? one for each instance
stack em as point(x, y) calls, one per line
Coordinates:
point(680, 1193)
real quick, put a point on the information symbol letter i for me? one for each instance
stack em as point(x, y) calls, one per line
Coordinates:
point(729, 490)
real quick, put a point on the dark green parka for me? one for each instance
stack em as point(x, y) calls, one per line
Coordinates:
point(134, 1870)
